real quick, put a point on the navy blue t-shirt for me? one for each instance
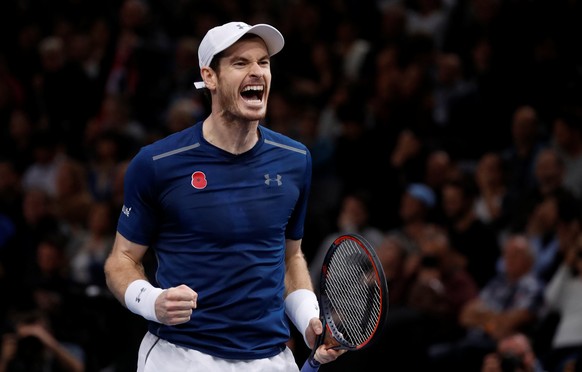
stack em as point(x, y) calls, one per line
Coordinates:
point(218, 223)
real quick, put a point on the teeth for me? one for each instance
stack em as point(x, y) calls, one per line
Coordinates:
point(258, 88)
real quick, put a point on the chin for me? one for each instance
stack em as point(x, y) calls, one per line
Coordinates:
point(251, 116)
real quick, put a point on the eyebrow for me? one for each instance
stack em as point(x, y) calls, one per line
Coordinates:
point(245, 59)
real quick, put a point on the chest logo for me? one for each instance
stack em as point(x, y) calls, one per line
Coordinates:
point(199, 180)
point(276, 179)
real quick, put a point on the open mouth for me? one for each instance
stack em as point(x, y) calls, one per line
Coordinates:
point(253, 93)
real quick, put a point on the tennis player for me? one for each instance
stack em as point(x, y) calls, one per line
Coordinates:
point(222, 204)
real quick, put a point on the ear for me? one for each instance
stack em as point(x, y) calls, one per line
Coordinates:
point(209, 77)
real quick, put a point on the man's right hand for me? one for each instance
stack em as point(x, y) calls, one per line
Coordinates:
point(175, 305)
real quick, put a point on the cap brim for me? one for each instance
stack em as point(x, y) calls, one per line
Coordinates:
point(272, 37)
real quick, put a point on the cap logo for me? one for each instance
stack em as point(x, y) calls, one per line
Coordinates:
point(241, 27)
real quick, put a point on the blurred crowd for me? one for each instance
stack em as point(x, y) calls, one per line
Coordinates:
point(447, 132)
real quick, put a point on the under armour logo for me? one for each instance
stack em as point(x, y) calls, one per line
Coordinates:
point(277, 179)
point(138, 298)
point(241, 27)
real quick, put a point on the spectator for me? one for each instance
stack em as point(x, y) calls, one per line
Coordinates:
point(179, 80)
point(471, 237)
point(47, 285)
point(542, 231)
point(566, 138)
point(182, 113)
point(393, 253)
point(317, 83)
point(90, 246)
point(416, 202)
point(63, 110)
point(563, 294)
point(549, 180)
point(514, 353)
point(42, 172)
point(440, 168)
point(72, 198)
point(32, 346)
point(509, 302)
point(526, 142)
point(35, 222)
point(492, 191)
point(106, 153)
point(139, 63)
point(118, 117)
point(441, 288)
point(451, 93)
point(429, 17)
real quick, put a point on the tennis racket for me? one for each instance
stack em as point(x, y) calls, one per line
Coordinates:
point(353, 296)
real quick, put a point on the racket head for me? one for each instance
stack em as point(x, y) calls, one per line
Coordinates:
point(353, 292)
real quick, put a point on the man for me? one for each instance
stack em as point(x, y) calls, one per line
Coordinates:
point(514, 353)
point(222, 204)
point(510, 302)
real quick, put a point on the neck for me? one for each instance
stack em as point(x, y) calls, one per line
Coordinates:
point(234, 136)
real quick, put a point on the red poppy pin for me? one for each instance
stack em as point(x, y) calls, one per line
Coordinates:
point(199, 180)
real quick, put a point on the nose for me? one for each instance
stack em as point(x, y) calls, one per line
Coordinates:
point(256, 70)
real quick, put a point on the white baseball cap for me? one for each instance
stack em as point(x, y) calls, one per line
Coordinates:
point(220, 38)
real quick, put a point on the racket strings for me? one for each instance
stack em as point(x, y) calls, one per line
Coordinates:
point(353, 295)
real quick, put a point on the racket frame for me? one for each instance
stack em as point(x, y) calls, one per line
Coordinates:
point(323, 306)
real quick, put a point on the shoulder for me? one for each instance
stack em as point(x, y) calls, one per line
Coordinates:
point(171, 144)
point(276, 139)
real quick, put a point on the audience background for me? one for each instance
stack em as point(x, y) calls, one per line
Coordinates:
point(385, 94)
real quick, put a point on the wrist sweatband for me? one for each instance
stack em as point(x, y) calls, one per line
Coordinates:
point(300, 306)
point(140, 299)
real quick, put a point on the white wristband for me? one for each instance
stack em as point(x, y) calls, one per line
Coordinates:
point(140, 299)
point(301, 306)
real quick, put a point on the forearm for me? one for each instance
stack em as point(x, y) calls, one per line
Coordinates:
point(68, 361)
point(475, 314)
point(301, 304)
point(508, 322)
point(120, 273)
point(296, 271)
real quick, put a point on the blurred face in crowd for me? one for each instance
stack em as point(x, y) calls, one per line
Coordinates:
point(411, 208)
point(519, 347)
point(549, 171)
point(453, 201)
point(517, 256)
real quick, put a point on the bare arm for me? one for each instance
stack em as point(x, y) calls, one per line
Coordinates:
point(297, 273)
point(65, 359)
point(297, 277)
point(475, 314)
point(124, 266)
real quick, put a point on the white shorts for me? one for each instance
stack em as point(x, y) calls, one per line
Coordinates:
point(158, 355)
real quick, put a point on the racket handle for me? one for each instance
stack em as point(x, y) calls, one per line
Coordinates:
point(310, 365)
